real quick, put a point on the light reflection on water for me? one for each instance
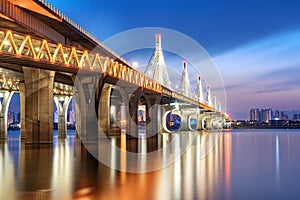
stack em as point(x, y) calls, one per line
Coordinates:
point(243, 164)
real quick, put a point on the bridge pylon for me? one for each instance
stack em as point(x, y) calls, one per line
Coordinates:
point(199, 90)
point(156, 68)
point(215, 101)
point(185, 82)
point(208, 96)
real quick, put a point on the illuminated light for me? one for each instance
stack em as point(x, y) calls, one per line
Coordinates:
point(184, 64)
point(37, 49)
point(10, 49)
point(65, 55)
point(135, 64)
point(176, 105)
point(84, 191)
point(6, 42)
point(9, 83)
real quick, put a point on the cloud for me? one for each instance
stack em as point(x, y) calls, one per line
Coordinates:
point(258, 73)
point(261, 56)
point(284, 79)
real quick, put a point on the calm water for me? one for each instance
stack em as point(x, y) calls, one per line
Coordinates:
point(244, 164)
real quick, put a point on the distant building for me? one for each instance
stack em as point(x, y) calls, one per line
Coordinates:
point(55, 117)
point(277, 115)
point(284, 116)
point(254, 114)
point(11, 117)
point(266, 115)
point(18, 118)
point(72, 117)
point(296, 117)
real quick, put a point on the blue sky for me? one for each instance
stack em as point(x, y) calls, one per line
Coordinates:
point(255, 44)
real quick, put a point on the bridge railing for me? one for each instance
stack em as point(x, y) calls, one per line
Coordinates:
point(43, 51)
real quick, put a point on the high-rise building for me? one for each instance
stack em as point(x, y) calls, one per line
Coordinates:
point(18, 118)
point(11, 117)
point(266, 115)
point(72, 117)
point(55, 117)
point(283, 116)
point(254, 114)
point(277, 115)
point(296, 117)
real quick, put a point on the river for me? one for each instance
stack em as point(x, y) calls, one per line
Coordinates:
point(237, 164)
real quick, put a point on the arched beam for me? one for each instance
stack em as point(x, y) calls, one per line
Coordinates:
point(6, 98)
point(62, 104)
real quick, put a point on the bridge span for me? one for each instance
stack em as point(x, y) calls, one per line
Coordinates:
point(48, 58)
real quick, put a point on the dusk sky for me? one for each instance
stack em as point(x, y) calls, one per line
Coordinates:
point(255, 44)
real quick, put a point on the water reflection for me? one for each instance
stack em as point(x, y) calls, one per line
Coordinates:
point(7, 181)
point(229, 165)
point(277, 165)
point(64, 155)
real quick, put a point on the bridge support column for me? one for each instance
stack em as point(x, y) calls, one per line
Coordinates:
point(22, 109)
point(155, 109)
point(38, 105)
point(103, 111)
point(86, 121)
point(134, 102)
point(5, 100)
point(62, 104)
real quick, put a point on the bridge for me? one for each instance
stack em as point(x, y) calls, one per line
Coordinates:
point(47, 58)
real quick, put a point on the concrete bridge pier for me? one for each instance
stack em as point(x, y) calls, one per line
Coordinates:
point(86, 116)
point(62, 104)
point(153, 115)
point(134, 102)
point(104, 111)
point(38, 105)
point(5, 97)
point(22, 109)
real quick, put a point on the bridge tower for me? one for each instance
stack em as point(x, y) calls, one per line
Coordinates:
point(219, 104)
point(185, 83)
point(208, 97)
point(156, 68)
point(199, 90)
point(215, 101)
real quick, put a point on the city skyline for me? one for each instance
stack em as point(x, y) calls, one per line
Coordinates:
point(267, 114)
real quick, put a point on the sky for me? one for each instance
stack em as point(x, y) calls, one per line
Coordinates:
point(254, 44)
